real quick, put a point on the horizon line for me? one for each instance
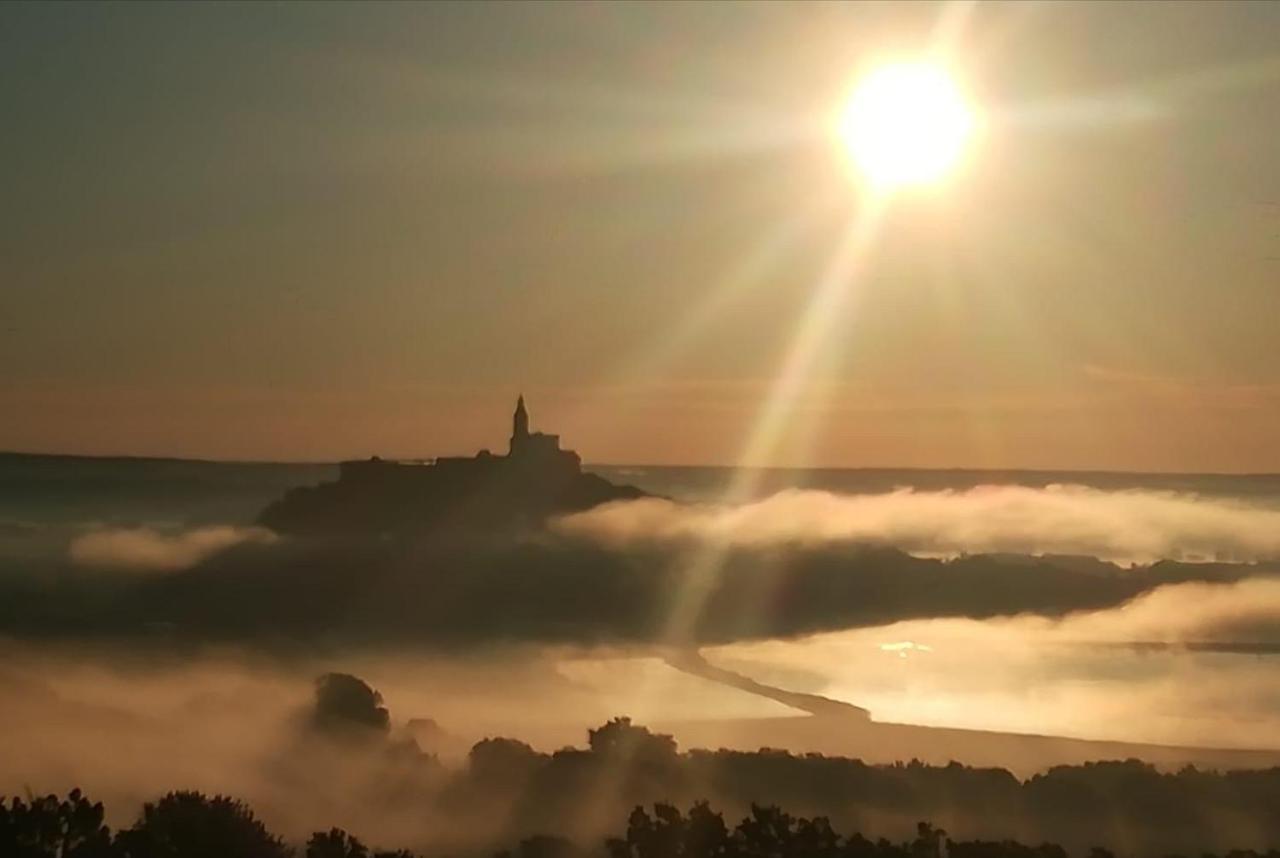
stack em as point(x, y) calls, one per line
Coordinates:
point(142, 457)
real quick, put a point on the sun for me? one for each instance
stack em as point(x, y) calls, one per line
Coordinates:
point(906, 124)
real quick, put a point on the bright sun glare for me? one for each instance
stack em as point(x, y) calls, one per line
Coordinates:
point(906, 124)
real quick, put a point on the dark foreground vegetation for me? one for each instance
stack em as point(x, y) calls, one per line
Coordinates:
point(350, 767)
point(192, 825)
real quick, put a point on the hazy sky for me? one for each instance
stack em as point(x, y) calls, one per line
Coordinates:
point(319, 231)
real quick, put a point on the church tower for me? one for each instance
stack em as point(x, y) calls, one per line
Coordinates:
point(519, 425)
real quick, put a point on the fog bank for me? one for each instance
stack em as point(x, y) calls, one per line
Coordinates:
point(146, 549)
point(1128, 526)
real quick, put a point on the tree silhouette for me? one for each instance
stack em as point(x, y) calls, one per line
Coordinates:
point(191, 825)
point(502, 763)
point(767, 833)
point(619, 738)
point(706, 835)
point(346, 704)
point(48, 828)
point(930, 842)
point(659, 836)
point(335, 843)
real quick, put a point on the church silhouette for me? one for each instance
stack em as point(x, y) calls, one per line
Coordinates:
point(535, 479)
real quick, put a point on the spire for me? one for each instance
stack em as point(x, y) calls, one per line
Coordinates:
point(519, 422)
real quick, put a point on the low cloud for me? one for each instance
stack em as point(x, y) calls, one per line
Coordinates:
point(144, 549)
point(796, 564)
point(1128, 526)
point(1243, 613)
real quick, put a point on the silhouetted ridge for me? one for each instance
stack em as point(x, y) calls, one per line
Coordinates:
point(535, 479)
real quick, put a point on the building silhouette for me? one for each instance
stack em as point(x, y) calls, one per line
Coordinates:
point(535, 478)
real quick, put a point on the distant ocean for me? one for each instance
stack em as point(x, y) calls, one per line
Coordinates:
point(43, 490)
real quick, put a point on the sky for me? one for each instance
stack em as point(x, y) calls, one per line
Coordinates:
point(312, 232)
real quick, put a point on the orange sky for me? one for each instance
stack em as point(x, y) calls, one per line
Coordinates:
point(313, 232)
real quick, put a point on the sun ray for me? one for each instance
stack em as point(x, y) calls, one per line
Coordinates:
point(699, 575)
point(751, 271)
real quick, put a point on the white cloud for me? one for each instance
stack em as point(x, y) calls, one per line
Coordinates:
point(1134, 525)
point(1246, 611)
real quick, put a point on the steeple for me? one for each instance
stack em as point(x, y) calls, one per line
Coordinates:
point(519, 424)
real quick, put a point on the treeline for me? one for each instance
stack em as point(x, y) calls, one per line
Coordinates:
point(1128, 806)
point(507, 791)
point(348, 763)
point(192, 825)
